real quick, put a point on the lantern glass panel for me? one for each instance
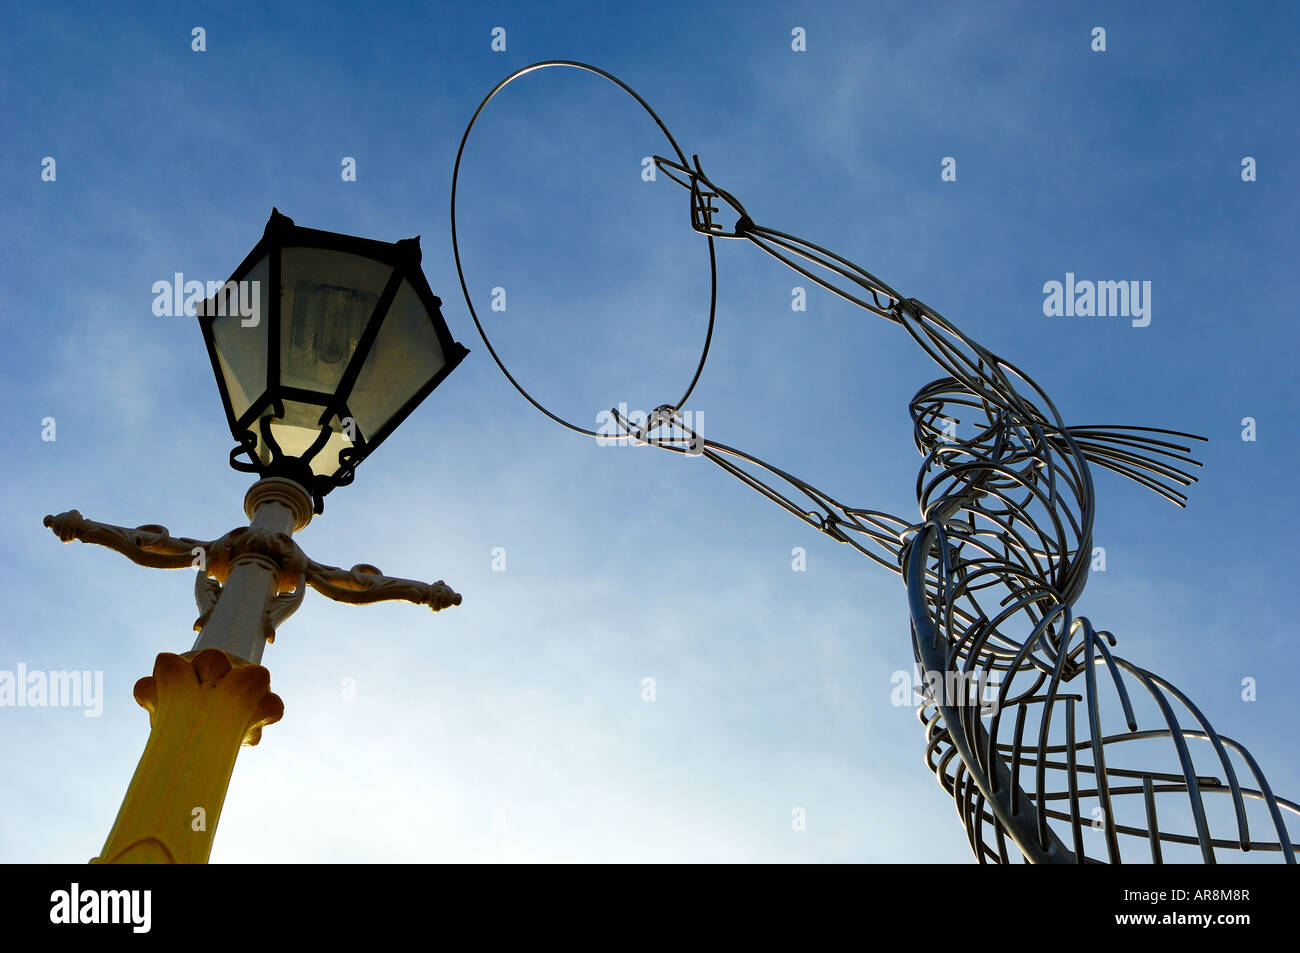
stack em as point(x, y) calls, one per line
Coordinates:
point(406, 355)
point(327, 299)
point(240, 342)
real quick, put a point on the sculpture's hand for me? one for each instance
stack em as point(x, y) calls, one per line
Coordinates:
point(703, 192)
point(837, 275)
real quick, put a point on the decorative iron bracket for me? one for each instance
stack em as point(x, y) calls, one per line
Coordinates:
point(153, 546)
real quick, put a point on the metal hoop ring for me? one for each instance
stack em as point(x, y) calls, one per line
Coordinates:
point(455, 244)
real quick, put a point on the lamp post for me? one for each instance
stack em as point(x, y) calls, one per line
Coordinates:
point(313, 377)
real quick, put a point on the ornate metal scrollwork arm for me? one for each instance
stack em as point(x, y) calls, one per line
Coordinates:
point(149, 545)
point(363, 584)
point(206, 593)
point(153, 546)
point(284, 605)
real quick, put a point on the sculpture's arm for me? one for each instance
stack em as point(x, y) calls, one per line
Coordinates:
point(877, 535)
point(975, 366)
point(1134, 452)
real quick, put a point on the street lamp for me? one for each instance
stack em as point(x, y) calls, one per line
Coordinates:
point(312, 377)
point(319, 374)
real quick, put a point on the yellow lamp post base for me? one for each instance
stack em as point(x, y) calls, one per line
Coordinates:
point(202, 707)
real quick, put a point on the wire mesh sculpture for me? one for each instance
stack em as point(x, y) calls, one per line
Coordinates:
point(993, 569)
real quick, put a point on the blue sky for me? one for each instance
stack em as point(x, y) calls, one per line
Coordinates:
point(513, 727)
